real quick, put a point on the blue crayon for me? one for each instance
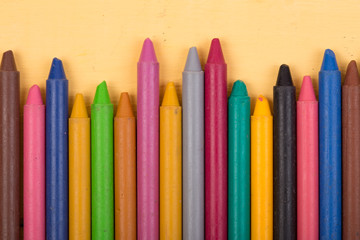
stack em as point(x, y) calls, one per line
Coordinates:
point(330, 147)
point(57, 199)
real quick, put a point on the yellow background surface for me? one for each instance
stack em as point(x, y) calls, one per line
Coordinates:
point(101, 39)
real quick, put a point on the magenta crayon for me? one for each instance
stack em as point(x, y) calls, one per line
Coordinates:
point(148, 143)
point(307, 163)
point(34, 166)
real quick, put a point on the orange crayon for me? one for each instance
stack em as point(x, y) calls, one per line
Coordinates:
point(125, 170)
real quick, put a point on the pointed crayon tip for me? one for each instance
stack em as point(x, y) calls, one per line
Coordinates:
point(307, 92)
point(79, 107)
point(34, 96)
point(170, 96)
point(124, 107)
point(215, 53)
point(193, 61)
point(284, 76)
point(57, 70)
point(262, 107)
point(102, 94)
point(329, 61)
point(352, 75)
point(8, 61)
point(148, 52)
point(239, 89)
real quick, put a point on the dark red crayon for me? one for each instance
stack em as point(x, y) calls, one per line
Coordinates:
point(215, 144)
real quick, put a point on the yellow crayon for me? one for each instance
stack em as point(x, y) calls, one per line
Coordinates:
point(262, 171)
point(170, 165)
point(79, 171)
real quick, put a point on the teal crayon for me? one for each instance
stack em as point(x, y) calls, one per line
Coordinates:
point(239, 163)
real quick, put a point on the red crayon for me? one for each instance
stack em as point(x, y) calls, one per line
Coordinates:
point(215, 144)
point(307, 163)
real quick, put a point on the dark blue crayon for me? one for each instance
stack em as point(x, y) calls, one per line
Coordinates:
point(57, 199)
point(330, 147)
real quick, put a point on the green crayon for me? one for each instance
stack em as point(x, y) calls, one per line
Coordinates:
point(102, 166)
point(239, 163)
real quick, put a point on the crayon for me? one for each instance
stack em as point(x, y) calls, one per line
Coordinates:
point(330, 147)
point(125, 170)
point(215, 144)
point(307, 163)
point(57, 181)
point(261, 171)
point(102, 165)
point(148, 143)
point(193, 147)
point(10, 148)
point(34, 166)
point(170, 165)
point(284, 156)
point(351, 153)
point(79, 171)
point(239, 162)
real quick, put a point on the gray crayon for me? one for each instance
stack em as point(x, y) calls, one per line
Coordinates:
point(193, 148)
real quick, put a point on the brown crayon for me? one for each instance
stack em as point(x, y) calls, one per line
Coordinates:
point(125, 170)
point(351, 152)
point(9, 148)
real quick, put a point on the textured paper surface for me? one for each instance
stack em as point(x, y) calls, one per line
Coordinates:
point(101, 40)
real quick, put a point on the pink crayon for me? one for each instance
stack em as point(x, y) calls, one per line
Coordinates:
point(148, 143)
point(34, 166)
point(307, 163)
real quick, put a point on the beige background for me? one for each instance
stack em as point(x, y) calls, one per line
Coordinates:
point(101, 40)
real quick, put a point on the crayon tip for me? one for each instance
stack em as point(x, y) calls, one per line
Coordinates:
point(124, 107)
point(284, 76)
point(102, 94)
point(262, 107)
point(170, 96)
point(329, 61)
point(148, 52)
point(8, 61)
point(352, 75)
point(239, 89)
point(79, 107)
point(215, 53)
point(34, 96)
point(307, 90)
point(57, 70)
point(193, 61)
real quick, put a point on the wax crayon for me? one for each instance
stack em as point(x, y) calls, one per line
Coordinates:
point(148, 143)
point(193, 147)
point(215, 144)
point(10, 148)
point(170, 165)
point(102, 165)
point(79, 171)
point(34, 166)
point(125, 170)
point(57, 165)
point(284, 156)
point(330, 147)
point(261, 171)
point(351, 153)
point(307, 163)
point(239, 162)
